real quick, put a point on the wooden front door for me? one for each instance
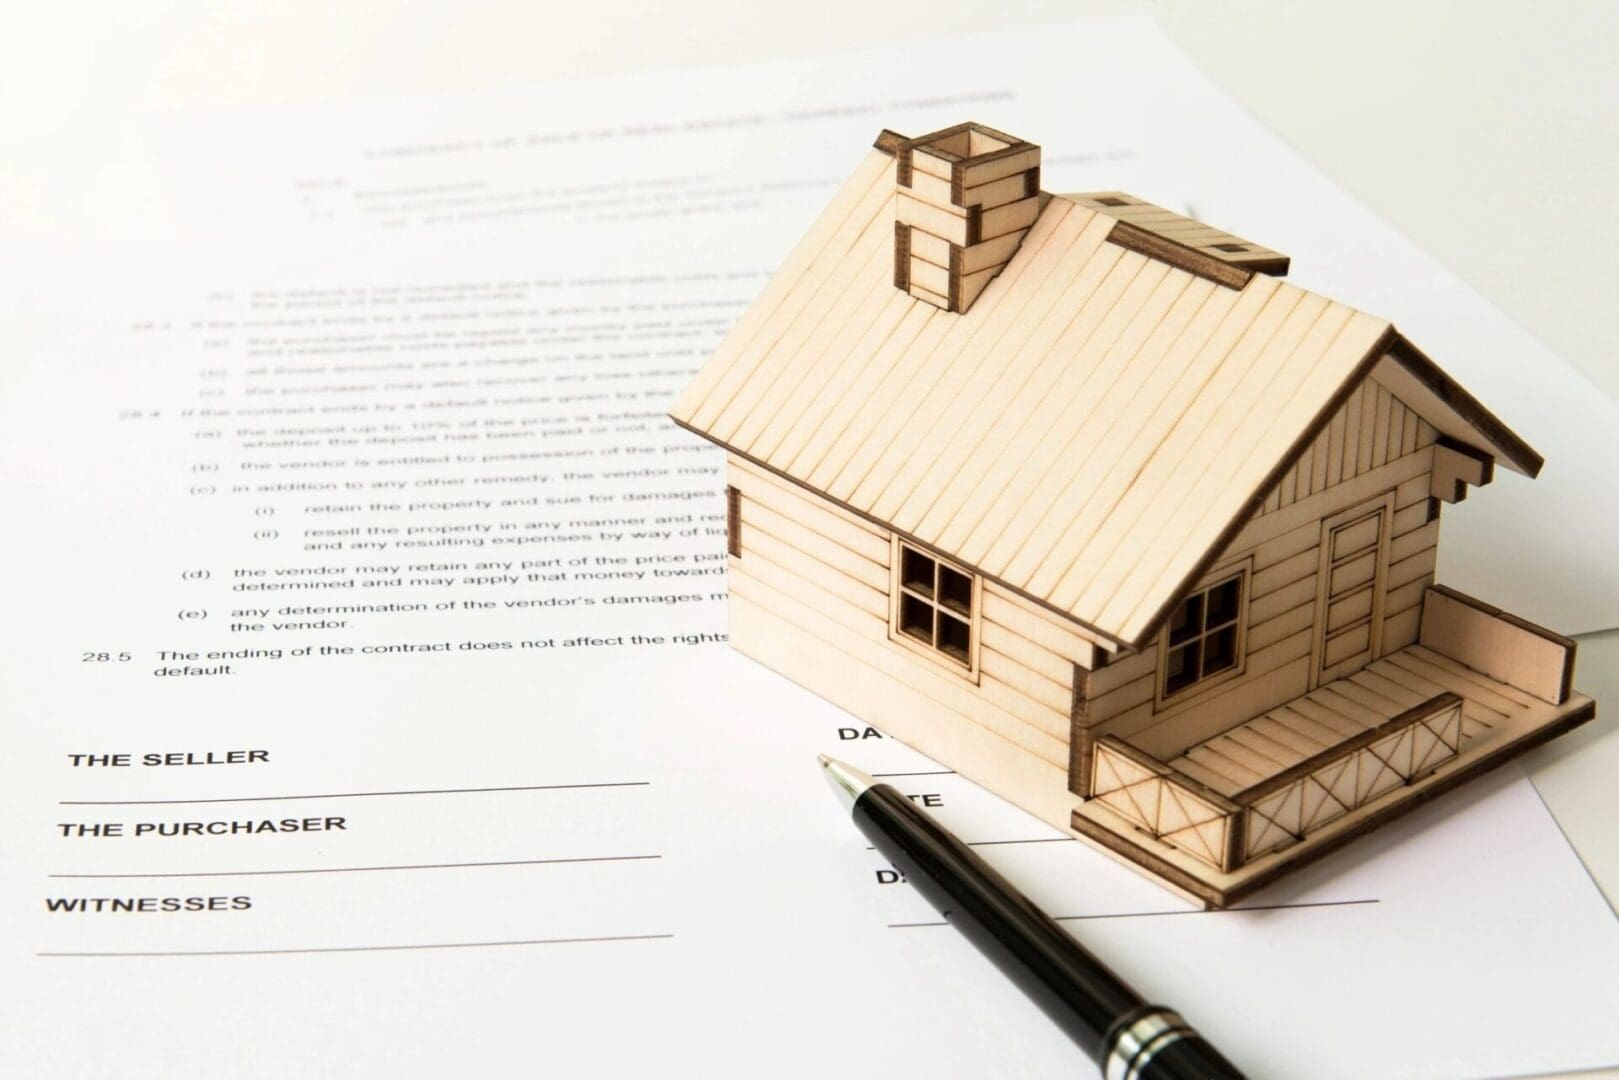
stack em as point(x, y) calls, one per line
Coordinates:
point(1349, 589)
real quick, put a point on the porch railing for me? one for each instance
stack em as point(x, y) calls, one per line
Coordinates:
point(1166, 803)
point(1283, 809)
point(1287, 807)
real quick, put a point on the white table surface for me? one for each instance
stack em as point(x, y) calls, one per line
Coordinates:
point(1489, 132)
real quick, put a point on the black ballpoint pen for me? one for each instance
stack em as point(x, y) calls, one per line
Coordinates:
point(1128, 1038)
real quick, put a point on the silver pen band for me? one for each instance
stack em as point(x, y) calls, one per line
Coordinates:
point(1136, 1045)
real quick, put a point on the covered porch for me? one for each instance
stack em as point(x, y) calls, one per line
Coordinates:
point(1225, 815)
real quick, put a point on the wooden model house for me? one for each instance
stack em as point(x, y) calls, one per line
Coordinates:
point(1077, 496)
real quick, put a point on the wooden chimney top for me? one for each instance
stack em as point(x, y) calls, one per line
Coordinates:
point(965, 199)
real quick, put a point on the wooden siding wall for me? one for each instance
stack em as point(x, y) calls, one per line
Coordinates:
point(1372, 445)
point(827, 573)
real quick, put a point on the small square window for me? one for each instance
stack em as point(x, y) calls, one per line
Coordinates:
point(1219, 651)
point(936, 605)
point(1109, 200)
point(1203, 636)
point(1232, 248)
point(955, 638)
point(916, 573)
point(1222, 602)
point(916, 618)
point(1187, 621)
point(955, 590)
point(1182, 668)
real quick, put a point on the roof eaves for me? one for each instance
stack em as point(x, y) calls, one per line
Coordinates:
point(1469, 409)
point(1111, 642)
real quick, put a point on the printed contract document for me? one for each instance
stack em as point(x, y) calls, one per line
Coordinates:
point(367, 702)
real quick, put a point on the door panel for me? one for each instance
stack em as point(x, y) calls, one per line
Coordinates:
point(1351, 584)
point(1349, 609)
point(1357, 536)
point(1351, 646)
point(1356, 569)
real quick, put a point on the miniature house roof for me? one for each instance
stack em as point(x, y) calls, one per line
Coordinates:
point(1093, 425)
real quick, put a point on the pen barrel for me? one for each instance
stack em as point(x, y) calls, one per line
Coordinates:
point(1071, 985)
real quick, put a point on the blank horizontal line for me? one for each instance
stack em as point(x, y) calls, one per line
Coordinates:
point(1220, 911)
point(351, 794)
point(993, 843)
point(1154, 914)
point(373, 948)
point(930, 772)
point(362, 869)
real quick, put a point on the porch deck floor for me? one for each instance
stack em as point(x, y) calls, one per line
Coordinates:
point(1260, 748)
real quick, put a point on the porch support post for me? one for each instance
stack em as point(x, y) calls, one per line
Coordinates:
point(1081, 743)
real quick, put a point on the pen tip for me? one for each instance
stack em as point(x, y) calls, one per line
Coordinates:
point(847, 782)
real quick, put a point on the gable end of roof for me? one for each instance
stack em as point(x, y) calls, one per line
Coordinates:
point(1317, 424)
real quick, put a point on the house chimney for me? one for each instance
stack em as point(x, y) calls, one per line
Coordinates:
point(966, 197)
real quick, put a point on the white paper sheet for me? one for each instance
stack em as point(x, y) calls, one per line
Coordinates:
point(590, 859)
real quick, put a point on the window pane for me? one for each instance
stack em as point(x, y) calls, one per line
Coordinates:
point(916, 572)
point(955, 638)
point(1220, 650)
point(1187, 622)
point(955, 590)
point(1223, 601)
point(916, 618)
point(1182, 667)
